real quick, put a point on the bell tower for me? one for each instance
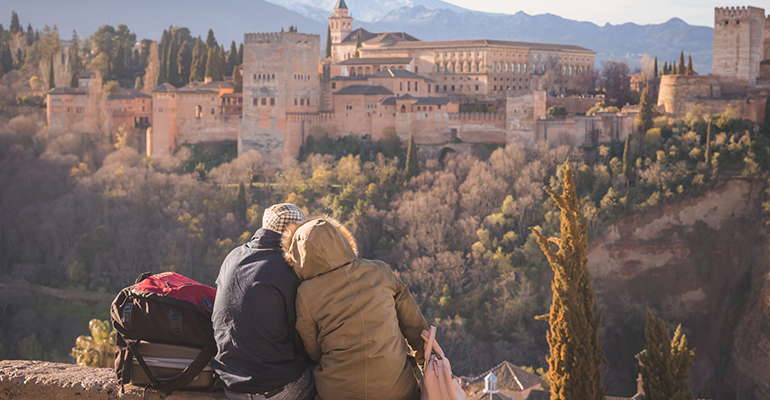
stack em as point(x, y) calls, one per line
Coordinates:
point(340, 22)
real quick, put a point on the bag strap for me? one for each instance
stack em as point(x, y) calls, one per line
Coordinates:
point(131, 343)
point(431, 343)
point(199, 363)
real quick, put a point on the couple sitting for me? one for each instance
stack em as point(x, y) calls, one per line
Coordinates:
point(298, 296)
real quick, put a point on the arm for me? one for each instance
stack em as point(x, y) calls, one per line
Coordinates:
point(307, 329)
point(410, 319)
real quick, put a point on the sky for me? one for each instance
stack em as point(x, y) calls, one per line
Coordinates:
point(694, 12)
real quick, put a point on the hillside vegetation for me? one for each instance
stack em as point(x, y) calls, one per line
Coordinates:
point(83, 213)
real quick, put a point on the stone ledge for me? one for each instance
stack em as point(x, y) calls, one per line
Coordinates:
point(35, 380)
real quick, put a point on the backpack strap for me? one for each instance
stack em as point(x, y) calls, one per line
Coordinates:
point(199, 363)
point(131, 343)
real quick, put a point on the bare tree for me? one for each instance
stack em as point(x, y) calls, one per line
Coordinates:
point(615, 80)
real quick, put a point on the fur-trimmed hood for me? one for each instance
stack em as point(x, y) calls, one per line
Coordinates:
point(317, 246)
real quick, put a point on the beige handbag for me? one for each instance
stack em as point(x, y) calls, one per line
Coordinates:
point(438, 383)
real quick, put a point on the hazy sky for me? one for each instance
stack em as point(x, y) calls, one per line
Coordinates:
point(694, 12)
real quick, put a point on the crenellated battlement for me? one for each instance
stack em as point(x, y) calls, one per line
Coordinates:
point(736, 13)
point(280, 37)
point(477, 116)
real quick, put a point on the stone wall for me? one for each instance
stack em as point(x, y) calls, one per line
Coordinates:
point(36, 380)
point(572, 104)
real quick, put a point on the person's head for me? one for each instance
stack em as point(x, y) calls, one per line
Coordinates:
point(278, 217)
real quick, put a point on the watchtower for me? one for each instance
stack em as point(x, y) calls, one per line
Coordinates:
point(340, 22)
point(738, 48)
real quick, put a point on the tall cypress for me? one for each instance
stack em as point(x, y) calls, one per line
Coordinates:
point(232, 56)
point(237, 79)
point(222, 62)
point(184, 61)
point(358, 44)
point(708, 144)
point(211, 41)
point(645, 114)
point(628, 159)
point(198, 65)
point(767, 112)
point(74, 55)
point(655, 68)
point(665, 363)
point(6, 59)
point(172, 68)
point(15, 25)
point(682, 66)
point(213, 64)
point(665, 68)
point(690, 71)
point(328, 41)
point(674, 70)
point(412, 161)
point(240, 54)
point(573, 339)
point(163, 51)
point(240, 203)
point(119, 64)
point(51, 79)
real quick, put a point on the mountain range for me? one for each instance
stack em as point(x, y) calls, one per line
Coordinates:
point(425, 19)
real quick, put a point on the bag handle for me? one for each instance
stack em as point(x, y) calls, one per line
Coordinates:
point(431, 343)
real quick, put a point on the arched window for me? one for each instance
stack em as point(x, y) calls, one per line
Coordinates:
point(403, 108)
point(506, 67)
point(198, 111)
point(525, 68)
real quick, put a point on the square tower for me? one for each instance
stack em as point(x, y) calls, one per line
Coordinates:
point(280, 77)
point(738, 42)
point(340, 22)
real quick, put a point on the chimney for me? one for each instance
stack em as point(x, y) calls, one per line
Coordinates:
point(207, 79)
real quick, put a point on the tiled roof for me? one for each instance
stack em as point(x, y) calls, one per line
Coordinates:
point(349, 78)
point(486, 42)
point(341, 4)
point(67, 90)
point(509, 377)
point(375, 60)
point(378, 37)
point(399, 73)
point(539, 395)
point(390, 101)
point(365, 90)
point(165, 88)
point(128, 94)
point(86, 75)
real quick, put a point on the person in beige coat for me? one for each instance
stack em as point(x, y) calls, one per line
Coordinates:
point(353, 316)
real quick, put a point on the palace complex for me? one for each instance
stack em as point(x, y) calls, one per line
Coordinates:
point(379, 82)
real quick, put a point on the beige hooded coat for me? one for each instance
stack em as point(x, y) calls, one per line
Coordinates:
point(353, 316)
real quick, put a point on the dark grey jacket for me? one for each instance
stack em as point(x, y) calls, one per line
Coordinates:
point(258, 346)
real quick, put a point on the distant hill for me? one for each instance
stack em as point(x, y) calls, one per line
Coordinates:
point(425, 19)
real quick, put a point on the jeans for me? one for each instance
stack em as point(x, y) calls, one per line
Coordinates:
point(301, 389)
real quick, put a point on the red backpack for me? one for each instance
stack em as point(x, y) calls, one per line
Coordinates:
point(166, 308)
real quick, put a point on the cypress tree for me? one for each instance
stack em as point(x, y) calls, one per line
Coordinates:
point(655, 68)
point(19, 58)
point(210, 40)
point(665, 363)
point(172, 68)
point(51, 79)
point(15, 25)
point(573, 339)
point(119, 65)
point(628, 159)
point(328, 41)
point(708, 144)
point(223, 61)
point(31, 38)
point(237, 79)
point(682, 66)
point(240, 54)
point(690, 71)
point(198, 65)
point(358, 44)
point(213, 64)
point(184, 60)
point(6, 59)
point(673, 69)
point(412, 162)
point(163, 51)
point(232, 57)
point(74, 56)
point(665, 68)
point(645, 114)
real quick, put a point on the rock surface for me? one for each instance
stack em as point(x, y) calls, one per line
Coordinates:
point(35, 380)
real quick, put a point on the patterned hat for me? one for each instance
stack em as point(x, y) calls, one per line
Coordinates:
point(279, 216)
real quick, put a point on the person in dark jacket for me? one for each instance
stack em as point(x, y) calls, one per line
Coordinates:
point(259, 353)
